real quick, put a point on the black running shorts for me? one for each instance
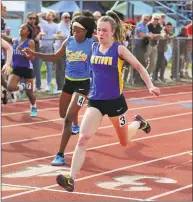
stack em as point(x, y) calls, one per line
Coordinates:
point(81, 87)
point(23, 72)
point(112, 108)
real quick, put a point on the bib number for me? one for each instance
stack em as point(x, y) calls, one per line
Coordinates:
point(81, 100)
point(122, 120)
point(28, 86)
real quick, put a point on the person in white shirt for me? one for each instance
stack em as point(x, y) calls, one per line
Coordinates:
point(64, 29)
point(48, 30)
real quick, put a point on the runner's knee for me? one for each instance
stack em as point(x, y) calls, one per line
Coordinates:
point(11, 87)
point(62, 115)
point(68, 118)
point(83, 140)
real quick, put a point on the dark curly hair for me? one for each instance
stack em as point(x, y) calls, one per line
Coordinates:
point(87, 13)
point(86, 22)
point(30, 30)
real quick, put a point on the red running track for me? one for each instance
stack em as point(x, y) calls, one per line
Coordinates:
point(157, 166)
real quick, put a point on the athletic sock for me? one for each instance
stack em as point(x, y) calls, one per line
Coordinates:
point(136, 124)
point(21, 87)
point(60, 154)
point(34, 106)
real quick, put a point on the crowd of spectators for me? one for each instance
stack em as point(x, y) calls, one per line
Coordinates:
point(150, 39)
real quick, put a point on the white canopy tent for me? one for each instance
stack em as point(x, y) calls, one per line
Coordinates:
point(15, 15)
point(18, 6)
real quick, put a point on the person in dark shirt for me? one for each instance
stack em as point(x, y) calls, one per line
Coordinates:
point(3, 15)
point(152, 51)
point(167, 33)
point(33, 21)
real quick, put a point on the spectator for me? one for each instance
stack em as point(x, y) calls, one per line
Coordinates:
point(183, 50)
point(129, 29)
point(8, 31)
point(64, 29)
point(33, 21)
point(142, 33)
point(163, 20)
point(48, 29)
point(188, 50)
point(97, 15)
point(76, 13)
point(152, 52)
point(3, 15)
point(167, 33)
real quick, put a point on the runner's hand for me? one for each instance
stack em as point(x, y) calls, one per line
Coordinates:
point(5, 69)
point(155, 91)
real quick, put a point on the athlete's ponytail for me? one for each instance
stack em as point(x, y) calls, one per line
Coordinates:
point(117, 26)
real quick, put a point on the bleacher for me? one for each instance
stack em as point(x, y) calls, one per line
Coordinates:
point(180, 10)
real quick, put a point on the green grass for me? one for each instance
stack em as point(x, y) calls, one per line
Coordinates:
point(169, 66)
point(43, 71)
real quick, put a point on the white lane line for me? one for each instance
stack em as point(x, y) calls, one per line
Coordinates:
point(130, 99)
point(125, 91)
point(58, 119)
point(63, 191)
point(99, 147)
point(103, 173)
point(19, 186)
point(99, 195)
point(169, 192)
point(102, 127)
point(22, 193)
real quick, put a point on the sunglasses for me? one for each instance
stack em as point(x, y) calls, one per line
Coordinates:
point(31, 18)
point(66, 17)
point(156, 19)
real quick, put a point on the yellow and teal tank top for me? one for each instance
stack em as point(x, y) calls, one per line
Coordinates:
point(78, 59)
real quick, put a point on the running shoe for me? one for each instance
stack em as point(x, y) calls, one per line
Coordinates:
point(33, 112)
point(4, 99)
point(58, 160)
point(75, 129)
point(66, 182)
point(144, 125)
point(13, 96)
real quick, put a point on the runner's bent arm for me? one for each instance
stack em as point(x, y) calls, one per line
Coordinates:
point(49, 57)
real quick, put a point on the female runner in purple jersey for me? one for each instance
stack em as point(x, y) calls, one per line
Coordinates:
point(22, 66)
point(107, 60)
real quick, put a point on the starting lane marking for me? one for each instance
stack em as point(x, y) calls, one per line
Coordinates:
point(102, 173)
point(169, 192)
point(39, 170)
point(133, 182)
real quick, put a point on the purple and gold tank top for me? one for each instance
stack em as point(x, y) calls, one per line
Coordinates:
point(107, 82)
